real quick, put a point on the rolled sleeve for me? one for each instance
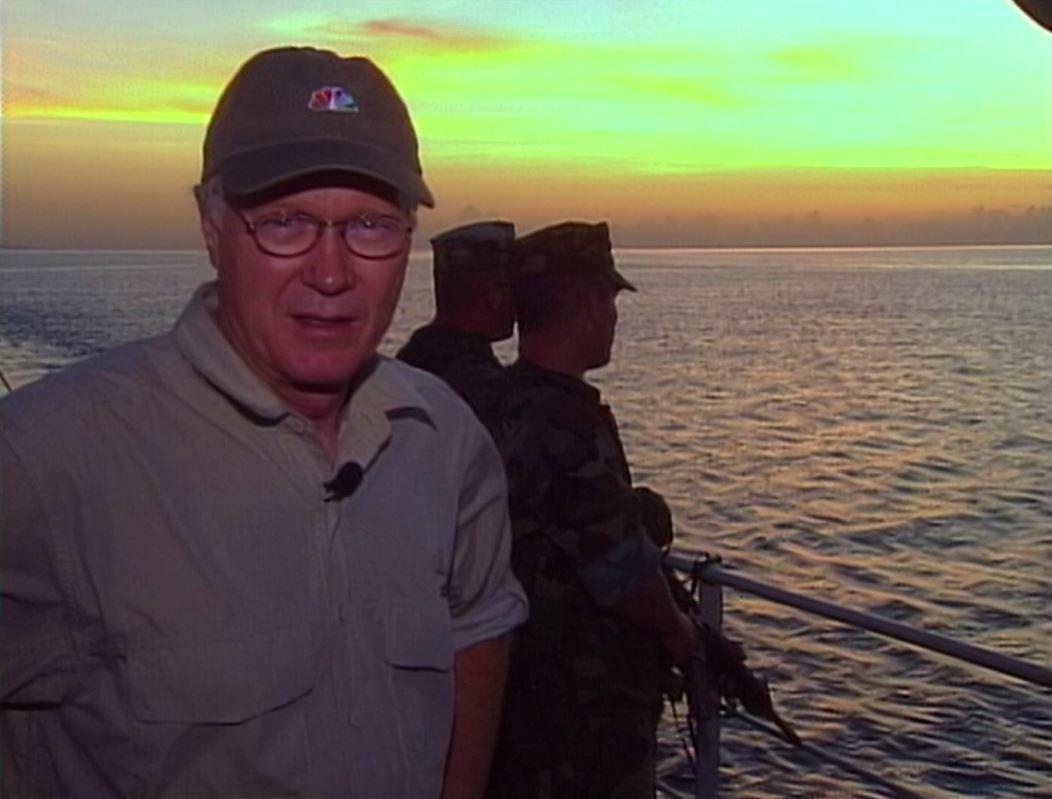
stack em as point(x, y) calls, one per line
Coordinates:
point(486, 600)
point(621, 572)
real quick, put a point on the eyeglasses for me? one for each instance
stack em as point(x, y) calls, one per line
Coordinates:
point(368, 236)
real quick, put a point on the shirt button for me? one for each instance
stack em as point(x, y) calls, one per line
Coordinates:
point(299, 426)
point(354, 718)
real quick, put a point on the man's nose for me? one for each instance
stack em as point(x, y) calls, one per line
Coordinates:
point(330, 266)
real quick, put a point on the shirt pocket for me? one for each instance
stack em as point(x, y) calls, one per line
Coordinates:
point(418, 645)
point(223, 716)
point(224, 681)
point(418, 634)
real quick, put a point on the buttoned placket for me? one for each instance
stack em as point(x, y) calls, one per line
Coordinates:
point(310, 469)
point(362, 435)
point(306, 463)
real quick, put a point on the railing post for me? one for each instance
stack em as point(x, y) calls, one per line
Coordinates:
point(706, 701)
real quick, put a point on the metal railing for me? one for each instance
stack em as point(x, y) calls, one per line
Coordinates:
point(710, 576)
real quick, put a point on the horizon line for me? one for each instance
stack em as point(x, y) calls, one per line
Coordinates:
point(624, 247)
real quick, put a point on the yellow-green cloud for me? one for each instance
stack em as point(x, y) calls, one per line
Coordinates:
point(854, 59)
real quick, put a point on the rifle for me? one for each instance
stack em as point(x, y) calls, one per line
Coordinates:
point(723, 660)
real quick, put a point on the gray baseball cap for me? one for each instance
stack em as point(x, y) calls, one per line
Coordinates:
point(568, 247)
point(294, 111)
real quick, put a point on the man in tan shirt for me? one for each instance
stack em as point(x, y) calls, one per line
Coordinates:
point(251, 557)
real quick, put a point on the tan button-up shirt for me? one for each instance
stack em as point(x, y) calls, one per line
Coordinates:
point(188, 610)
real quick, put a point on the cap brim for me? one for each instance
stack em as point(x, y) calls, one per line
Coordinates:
point(620, 281)
point(256, 171)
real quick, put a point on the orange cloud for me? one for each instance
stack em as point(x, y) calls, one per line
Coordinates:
point(31, 97)
point(442, 37)
point(458, 38)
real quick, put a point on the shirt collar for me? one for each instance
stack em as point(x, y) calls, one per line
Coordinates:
point(203, 344)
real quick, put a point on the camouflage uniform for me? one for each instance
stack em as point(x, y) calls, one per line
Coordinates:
point(464, 360)
point(583, 697)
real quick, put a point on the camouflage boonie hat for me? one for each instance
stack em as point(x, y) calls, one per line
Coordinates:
point(568, 247)
point(478, 247)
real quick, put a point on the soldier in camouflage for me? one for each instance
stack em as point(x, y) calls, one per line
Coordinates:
point(584, 693)
point(473, 308)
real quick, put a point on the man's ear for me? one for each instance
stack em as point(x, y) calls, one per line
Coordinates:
point(589, 303)
point(493, 296)
point(210, 233)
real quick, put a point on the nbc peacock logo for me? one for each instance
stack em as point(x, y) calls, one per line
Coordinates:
point(332, 98)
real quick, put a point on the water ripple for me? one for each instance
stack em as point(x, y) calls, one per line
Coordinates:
point(881, 437)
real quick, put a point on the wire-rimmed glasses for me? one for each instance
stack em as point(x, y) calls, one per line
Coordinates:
point(285, 235)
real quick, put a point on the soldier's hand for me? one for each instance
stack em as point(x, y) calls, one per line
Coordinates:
point(656, 516)
point(681, 642)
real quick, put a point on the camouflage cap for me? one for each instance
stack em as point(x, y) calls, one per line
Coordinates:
point(478, 247)
point(294, 111)
point(568, 247)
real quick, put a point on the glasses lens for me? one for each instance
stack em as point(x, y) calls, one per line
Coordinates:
point(376, 236)
point(286, 235)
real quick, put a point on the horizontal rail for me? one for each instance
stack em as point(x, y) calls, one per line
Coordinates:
point(709, 570)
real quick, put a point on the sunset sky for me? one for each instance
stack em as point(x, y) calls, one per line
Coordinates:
point(702, 122)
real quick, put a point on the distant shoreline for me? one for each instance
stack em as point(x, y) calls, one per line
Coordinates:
point(617, 248)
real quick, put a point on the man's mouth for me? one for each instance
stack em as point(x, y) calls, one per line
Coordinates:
point(324, 322)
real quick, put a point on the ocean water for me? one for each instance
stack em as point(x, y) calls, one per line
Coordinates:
point(873, 427)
